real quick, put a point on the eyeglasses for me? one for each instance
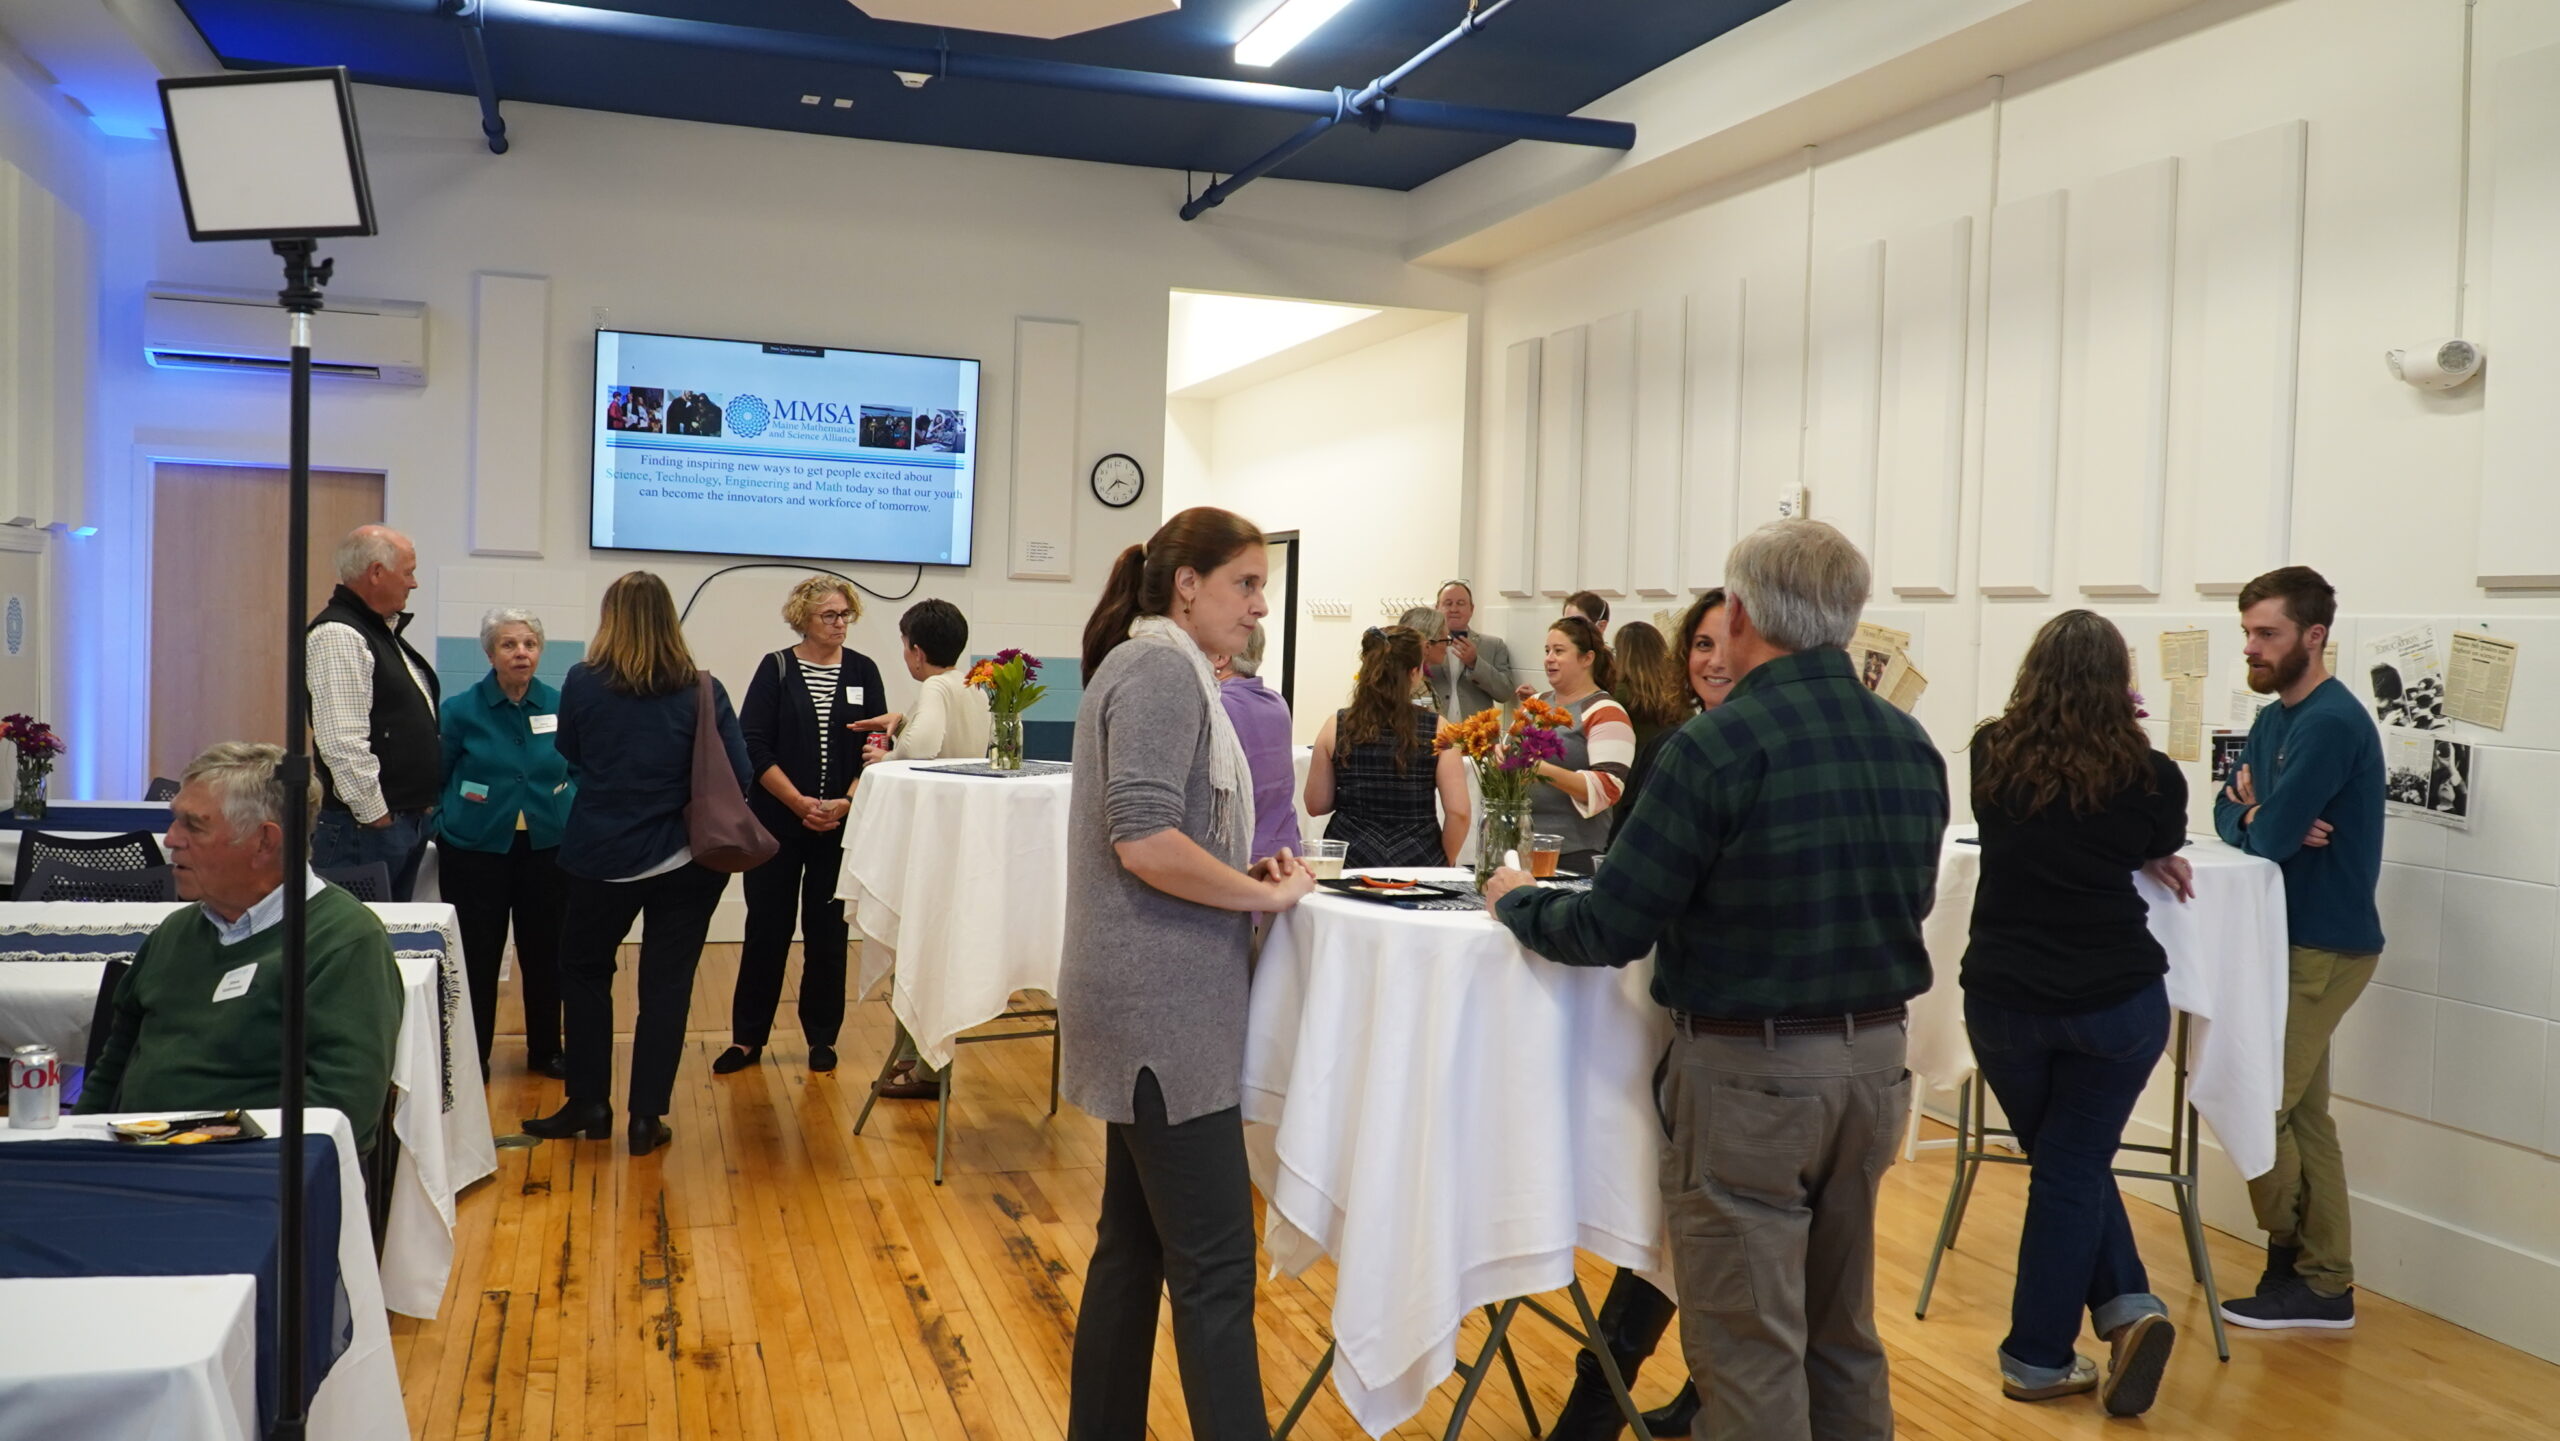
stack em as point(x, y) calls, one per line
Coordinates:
point(837, 617)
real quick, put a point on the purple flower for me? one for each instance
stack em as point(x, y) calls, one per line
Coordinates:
point(1537, 743)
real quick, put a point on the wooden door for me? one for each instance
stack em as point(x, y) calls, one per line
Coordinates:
point(217, 597)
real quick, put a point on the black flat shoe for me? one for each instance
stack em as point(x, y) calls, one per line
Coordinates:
point(822, 1058)
point(593, 1118)
point(648, 1133)
point(556, 1067)
point(736, 1058)
point(1674, 1417)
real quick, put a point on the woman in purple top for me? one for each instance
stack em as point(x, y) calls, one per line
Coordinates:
point(1261, 719)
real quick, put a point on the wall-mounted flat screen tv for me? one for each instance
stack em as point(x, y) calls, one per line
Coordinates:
point(744, 447)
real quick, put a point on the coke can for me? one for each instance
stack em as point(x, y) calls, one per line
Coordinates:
point(35, 1089)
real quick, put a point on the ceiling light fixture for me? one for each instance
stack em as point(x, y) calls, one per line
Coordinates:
point(1282, 29)
point(808, 99)
point(843, 104)
point(912, 79)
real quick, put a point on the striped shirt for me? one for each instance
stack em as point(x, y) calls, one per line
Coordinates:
point(822, 680)
point(1779, 861)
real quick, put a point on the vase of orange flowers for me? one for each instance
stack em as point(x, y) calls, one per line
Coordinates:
point(1505, 750)
point(1011, 679)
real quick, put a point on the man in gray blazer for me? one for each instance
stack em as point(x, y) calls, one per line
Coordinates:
point(1477, 671)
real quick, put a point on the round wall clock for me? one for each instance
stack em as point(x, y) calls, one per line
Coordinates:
point(1118, 481)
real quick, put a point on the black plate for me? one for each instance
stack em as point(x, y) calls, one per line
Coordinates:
point(250, 1130)
point(1420, 891)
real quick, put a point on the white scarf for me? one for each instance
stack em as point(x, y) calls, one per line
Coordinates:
point(1230, 780)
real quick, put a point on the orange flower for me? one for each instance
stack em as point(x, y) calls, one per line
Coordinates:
point(981, 674)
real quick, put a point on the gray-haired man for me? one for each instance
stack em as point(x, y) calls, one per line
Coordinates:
point(373, 714)
point(195, 1024)
point(1777, 865)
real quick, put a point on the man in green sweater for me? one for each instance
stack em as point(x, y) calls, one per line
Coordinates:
point(2308, 796)
point(198, 1020)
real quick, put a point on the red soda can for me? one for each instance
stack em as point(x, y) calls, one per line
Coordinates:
point(35, 1089)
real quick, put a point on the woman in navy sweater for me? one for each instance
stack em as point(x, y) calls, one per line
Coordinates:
point(626, 729)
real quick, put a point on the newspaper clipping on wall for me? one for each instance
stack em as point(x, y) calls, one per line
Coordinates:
point(2186, 718)
point(2426, 776)
point(1883, 658)
point(2185, 652)
point(2480, 674)
point(2404, 674)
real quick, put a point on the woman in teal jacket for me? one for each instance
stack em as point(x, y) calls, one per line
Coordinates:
point(506, 796)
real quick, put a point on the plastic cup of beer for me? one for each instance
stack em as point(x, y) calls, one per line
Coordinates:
point(1325, 858)
point(1544, 852)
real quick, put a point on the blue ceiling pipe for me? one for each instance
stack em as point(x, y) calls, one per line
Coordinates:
point(475, 51)
point(1370, 102)
point(800, 47)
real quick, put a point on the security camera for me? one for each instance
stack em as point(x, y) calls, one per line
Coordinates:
point(2441, 365)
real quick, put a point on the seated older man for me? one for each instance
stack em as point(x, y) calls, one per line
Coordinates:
point(198, 1019)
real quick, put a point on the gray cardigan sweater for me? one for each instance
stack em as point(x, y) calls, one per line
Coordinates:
point(1148, 982)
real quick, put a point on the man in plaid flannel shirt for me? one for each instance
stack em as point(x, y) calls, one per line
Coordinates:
point(1778, 864)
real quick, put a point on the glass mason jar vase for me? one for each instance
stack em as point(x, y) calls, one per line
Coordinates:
point(1505, 827)
point(1004, 752)
point(32, 775)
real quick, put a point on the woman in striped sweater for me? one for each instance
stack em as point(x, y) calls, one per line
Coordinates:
point(1598, 752)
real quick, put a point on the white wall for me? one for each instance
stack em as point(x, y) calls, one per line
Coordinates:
point(49, 202)
point(697, 229)
point(1362, 455)
point(2449, 1071)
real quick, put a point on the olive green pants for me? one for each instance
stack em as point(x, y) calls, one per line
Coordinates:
point(2302, 1201)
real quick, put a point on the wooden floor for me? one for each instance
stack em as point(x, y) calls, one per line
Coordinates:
point(771, 1275)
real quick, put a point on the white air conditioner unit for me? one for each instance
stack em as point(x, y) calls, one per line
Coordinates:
point(245, 330)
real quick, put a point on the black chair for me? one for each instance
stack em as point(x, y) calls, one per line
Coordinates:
point(102, 1018)
point(67, 883)
point(162, 789)
point(370, 882)
point(131, 851)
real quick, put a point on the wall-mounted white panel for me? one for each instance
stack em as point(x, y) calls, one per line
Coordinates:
point(1928, 288)
point(2124, 243)
point(75, 329)
point(1608, 453)
point(1653, 547)
point(1048, 399)
point(27, 292)
point(1771, 446)
point(2250, 208)
point(1847, 341)
point(1515, 499)
point(1711, 453)
point(1560, 412)
point(510, 356)
point(2519, 504)
point(2022, 397)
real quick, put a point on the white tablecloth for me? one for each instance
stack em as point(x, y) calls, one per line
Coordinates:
point(442, 1116)
point(1448, 1117)
point(360, 1398)
point(958, 885)
point(130, 1358)
point(2227, 970)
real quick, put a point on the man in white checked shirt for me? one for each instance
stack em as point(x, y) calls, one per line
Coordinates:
point(373, 715)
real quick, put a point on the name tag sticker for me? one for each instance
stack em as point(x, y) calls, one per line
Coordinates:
point(474, 791)
point(235, 982)
point(543, 725)
point(853, 695)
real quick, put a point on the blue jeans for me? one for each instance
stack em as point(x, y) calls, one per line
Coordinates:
point(2068, 1084)
point(342, 840)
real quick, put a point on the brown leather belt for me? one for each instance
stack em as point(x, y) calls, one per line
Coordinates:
point(1842, 1024)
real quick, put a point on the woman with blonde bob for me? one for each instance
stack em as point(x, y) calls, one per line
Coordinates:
point(799, 717)
point(626, 729)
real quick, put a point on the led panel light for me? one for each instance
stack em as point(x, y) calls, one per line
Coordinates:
point(1282, 29)
point(268, 155)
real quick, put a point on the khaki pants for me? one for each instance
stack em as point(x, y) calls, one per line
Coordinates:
point(1772, 1156)
point(2302, 1201)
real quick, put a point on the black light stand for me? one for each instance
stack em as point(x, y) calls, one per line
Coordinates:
point(303, 277)
point(274, 156)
